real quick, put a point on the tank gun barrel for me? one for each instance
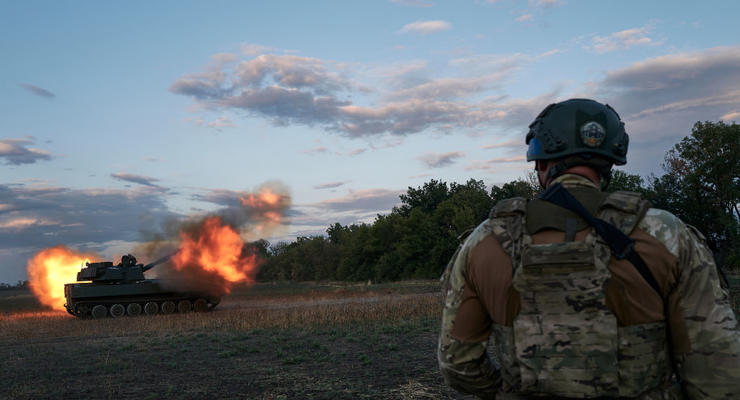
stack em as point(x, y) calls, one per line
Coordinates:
point(160, 261)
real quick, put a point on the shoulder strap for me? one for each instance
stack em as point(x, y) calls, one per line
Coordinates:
point(507, 224)
point(509, 207)
point(622, 245)
point(624, 210)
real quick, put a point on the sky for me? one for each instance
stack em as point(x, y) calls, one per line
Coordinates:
point(119, 116)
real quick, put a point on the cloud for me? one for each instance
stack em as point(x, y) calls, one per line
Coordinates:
point(524, 18)
point(141, 180)
point(41, 217)
point(497, 66)
point(439, 160)
point(218, 123)
point(401, 75)
point(368, 200)
point(16, 152)
point(195, 121)
point(732, 116)
point(623, 40)
point(447, 88)
point(545, 3)
point(415, 3)
point(289, 71)
point(662, 97)
point(221, 122)
point(38, 91)
point(357, 151)
point(490, 164)
point(513, 143)
point(222, 197)
point(360, 206)
point(24, 223)
point(330, 185)
point(316, 150)
point(250, 49)
point(426, 27)
point(288, 89)
point(355, 207)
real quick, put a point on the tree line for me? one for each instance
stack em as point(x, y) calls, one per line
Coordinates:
point(700, 185)
point(18, 285)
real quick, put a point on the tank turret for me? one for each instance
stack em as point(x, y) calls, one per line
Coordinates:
point(117, 290)
point(126, 271)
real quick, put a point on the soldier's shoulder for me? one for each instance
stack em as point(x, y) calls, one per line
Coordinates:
point(508, 207)
point(480, 232)
point(665, 227)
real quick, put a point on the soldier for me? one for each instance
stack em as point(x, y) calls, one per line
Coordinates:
point(127, 261)
point(586, 294)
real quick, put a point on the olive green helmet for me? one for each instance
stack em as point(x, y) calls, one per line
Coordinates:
point(578, 127)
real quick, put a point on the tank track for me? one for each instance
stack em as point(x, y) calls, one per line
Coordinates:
point(132, 306)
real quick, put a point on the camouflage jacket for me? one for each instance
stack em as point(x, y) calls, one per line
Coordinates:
point(481, 299)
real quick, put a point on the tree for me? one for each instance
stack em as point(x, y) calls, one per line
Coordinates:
point(624, 181)
point(518, 188)
point(702, 186)
point(425, 198)
point(709, 160)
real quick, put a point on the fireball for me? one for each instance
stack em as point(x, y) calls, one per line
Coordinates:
point(50, 269)
point(266, 198)
point(218, 250)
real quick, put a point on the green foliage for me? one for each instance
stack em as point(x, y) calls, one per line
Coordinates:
point(624, 181)
point(415, 240)
point(702, 186)
point(425, 198)
point(518, 188)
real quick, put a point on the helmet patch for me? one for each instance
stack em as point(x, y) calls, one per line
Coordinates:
point(592, 134)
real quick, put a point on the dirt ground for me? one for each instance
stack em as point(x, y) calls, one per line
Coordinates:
point(316, 342)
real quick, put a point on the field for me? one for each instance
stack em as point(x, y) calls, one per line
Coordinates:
point(271, 341)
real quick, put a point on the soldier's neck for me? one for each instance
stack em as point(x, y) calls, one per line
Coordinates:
point(583, 171)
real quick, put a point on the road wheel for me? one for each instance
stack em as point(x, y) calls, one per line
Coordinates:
point(117, 310)
point(99, 311)
point(183, 306)
point(133, 309)
point(200, 305)
point(168, 307)
point(151, 308)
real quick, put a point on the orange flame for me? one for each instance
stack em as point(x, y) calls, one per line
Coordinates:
point(50, 269)
point(217, 250)
point(266, 198)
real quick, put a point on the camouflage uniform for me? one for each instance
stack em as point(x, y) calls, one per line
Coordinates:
point(569, 320)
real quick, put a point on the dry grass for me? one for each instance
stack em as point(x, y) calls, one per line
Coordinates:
point(312, 341)
point(237, 313)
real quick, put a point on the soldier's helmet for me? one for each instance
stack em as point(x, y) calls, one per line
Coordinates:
point(578, 127)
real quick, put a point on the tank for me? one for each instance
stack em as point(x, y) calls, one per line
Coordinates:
point(119, 290)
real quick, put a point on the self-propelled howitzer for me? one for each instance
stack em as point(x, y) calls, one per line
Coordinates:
point(118, 290)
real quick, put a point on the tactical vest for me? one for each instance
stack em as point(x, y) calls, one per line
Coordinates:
point(565, 341)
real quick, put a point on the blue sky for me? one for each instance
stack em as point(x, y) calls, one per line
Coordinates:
point(119, 116)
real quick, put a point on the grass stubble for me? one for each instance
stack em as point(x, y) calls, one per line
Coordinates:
point(290, 341)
